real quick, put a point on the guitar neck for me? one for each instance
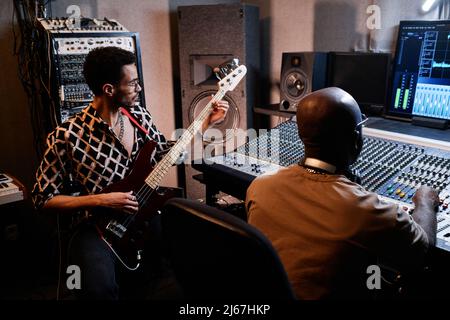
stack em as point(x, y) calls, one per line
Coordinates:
point(161, 169)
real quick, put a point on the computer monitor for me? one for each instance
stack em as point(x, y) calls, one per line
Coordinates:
point(421, 71)
point(362, 74)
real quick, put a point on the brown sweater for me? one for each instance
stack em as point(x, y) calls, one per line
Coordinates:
point(325, 228)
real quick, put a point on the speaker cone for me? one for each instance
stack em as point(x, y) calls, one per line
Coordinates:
point(231, 120)
point(295, 84)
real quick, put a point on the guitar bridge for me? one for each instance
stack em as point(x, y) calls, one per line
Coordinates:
point(116, 228)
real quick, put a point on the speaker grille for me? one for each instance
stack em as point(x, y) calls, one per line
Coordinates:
point(209, 35)
point(301, 73)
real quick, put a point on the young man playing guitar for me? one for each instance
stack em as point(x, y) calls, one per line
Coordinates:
point(96, 148)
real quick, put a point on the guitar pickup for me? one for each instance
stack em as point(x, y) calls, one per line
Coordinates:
point(116, 228)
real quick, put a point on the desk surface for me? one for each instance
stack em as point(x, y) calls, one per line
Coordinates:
point(408, 128)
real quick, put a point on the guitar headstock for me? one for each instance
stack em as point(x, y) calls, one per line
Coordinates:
point(230, 74)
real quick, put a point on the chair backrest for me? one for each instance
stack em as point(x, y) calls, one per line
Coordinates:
point(218, 256)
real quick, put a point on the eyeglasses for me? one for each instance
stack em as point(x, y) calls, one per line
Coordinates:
point(134, 83)
point(363, 121)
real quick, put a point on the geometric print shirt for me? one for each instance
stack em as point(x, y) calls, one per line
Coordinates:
point(85, 148)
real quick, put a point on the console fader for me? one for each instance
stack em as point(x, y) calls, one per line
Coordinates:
point(391, 168)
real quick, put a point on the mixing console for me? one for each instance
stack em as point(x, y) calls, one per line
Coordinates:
point(392, 169)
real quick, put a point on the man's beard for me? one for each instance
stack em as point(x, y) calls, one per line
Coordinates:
point(121, 101)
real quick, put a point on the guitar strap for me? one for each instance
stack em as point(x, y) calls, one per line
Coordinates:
point(133, 119)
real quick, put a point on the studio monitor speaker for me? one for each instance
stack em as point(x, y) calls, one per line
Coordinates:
point(210, 35)
point(301, 73)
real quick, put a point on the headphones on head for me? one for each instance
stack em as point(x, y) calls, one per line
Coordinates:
point(358, 135)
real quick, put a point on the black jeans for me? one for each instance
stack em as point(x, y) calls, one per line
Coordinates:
point(104, 277)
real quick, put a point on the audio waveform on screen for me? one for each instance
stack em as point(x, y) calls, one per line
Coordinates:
point(440, 65)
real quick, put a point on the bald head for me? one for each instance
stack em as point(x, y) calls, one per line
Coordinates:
point(326, 121)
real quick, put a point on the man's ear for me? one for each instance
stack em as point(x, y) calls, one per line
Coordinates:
point(108, 89)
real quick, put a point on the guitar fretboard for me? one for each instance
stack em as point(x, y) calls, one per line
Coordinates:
point(161, 169)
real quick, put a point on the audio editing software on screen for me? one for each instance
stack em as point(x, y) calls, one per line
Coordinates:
point(421, 82)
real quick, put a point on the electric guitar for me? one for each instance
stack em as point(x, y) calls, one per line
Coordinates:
point(126, 234)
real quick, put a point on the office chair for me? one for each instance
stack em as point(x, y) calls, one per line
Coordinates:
point(218, 256)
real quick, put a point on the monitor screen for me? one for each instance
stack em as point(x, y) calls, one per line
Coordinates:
point(421, 75)
point(363, 75)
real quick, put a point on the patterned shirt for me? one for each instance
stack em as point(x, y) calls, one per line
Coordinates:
point(86, 148)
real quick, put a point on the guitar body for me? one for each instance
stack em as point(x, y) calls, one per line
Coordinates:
point(127, 234)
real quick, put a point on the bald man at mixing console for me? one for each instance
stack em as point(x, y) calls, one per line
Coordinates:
point(326, 227)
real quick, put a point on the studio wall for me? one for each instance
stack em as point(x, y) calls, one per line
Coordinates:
point(285, 25)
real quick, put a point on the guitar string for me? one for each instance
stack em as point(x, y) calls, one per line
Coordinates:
point(142, 195)
point(146, 191)
point(163, 165)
